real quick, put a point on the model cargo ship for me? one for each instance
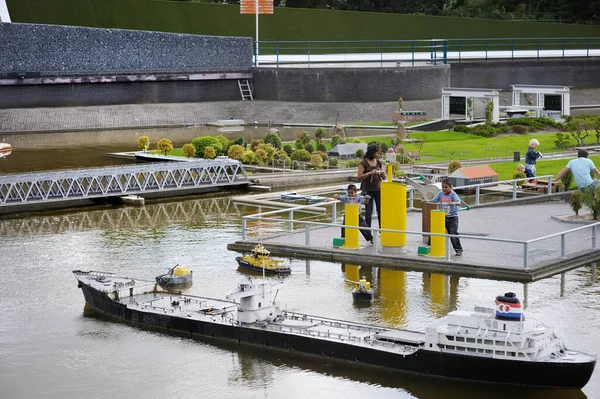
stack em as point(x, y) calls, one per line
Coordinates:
point(486, 344)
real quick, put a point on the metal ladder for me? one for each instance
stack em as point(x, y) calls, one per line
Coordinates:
point(245, 89)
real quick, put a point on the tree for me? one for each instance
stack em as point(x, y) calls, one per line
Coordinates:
point(300, 155)
point(249, 157)
point(236, 152)
point(360, 153)
point(269, 150)
point(591, 199)
point(209, 152)
point(454, 166)
point(288, 149)
point(567, 180)
point(261, 156)
point(225, 144)
point(578, 128)
point(310, 148)
point(470, 109)
point(316, 160)
point(562, 140)
point(319, 134)
point(489, 113)
point(164, 145)
point(576, 202)
point(274, 139)
point(143, 142)
point(189, 150)
point(304, 138)
point(336, 139)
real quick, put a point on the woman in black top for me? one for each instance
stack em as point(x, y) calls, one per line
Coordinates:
point(371, 173)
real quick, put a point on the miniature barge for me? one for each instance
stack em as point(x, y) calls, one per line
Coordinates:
point(485, 345)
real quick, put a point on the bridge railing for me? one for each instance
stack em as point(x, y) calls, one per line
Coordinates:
point(434, 51)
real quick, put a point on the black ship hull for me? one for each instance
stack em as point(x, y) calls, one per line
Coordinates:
point(422, 362)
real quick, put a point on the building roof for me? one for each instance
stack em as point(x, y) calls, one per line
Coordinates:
point(474, 172)
point(347, 149)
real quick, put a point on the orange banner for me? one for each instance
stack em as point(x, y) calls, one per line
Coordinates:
point(249, 6)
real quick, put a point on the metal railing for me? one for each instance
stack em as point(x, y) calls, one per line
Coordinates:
point(434, 51)
point(532, 251)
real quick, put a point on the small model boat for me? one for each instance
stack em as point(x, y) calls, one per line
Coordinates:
point(178, 275)
point(260, 260)
point(5, 149)
point(315, 198)
point(292, 196)
point(362, 292)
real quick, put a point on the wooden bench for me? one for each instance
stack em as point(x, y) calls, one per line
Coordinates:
point(541, 186)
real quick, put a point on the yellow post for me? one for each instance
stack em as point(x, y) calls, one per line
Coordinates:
point(393, 212)
point(351, 216)
point(438, 225)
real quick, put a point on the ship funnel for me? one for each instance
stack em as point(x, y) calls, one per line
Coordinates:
point(508, 307)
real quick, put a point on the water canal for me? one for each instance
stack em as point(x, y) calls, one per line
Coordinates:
point(51, 349)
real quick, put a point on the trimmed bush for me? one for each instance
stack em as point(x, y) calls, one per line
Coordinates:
point(236, 152)
point(316, 160)
point(567, 180)
point(300, 155)
point(519, 129)
point(206, 141)
point(273, 139)
point(209, 152)
point(254, 145)
point(461, 129)
point(576, 204)
point(333, 162)
point(189, 150)
point(249, 157)
point(321, 147)
point(288, 149)
point(310, 148)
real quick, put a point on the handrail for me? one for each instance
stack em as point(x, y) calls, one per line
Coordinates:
point(440, 50)
point(526, 244)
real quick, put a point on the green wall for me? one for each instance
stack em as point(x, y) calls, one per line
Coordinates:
point(284, 24)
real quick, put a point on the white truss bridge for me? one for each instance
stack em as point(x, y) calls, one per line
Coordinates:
point(116, 181)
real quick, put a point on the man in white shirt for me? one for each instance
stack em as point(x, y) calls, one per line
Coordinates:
point(582, 169)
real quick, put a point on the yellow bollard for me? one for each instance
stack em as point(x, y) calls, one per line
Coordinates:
point(351, 216)
point(438, 225)
point(393, 212)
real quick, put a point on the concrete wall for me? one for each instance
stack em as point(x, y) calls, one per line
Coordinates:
point(580, 74)
point(350, 84)
point(52, 49)
point(77, 94)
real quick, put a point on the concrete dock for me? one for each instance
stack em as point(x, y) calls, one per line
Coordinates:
point(501, 259)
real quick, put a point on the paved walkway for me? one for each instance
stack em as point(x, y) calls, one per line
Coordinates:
point(485, 259)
